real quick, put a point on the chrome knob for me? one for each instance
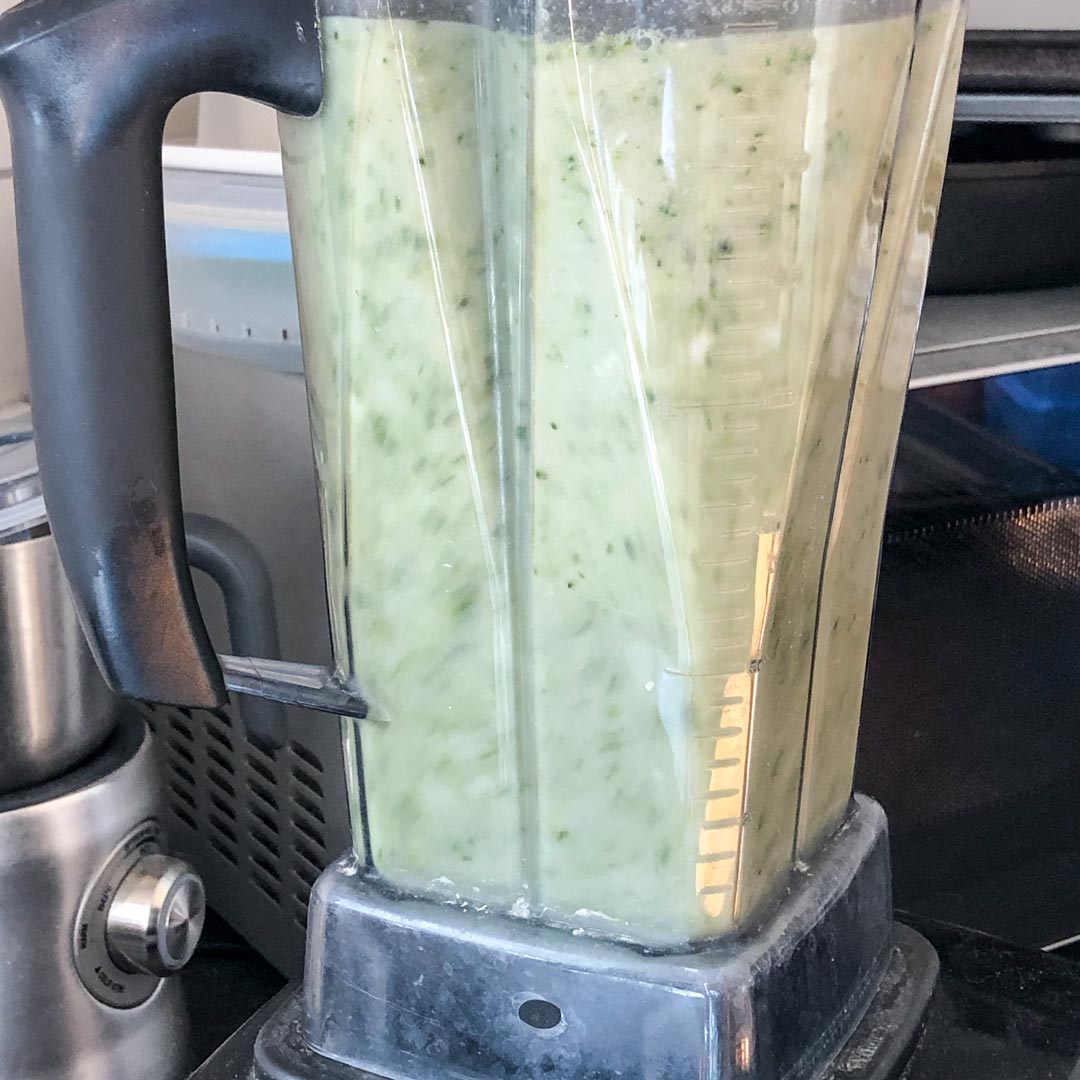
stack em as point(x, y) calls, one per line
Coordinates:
point(156, 917)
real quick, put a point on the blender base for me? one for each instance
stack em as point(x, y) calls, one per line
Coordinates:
point(56, 839)
point(417, 990)
point(881, 1047)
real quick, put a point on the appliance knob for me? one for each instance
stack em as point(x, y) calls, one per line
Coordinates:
point(156, 917)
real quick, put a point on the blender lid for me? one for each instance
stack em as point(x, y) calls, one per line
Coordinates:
point(22, 505)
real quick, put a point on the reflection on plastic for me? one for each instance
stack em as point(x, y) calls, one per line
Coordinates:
point(582, 314)
point(307, 686)
point(850, 573)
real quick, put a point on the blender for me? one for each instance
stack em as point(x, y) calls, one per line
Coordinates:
point(94, 911)
point(97, 911)
point(607, 313)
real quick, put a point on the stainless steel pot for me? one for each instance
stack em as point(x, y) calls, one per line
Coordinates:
point(55, 708)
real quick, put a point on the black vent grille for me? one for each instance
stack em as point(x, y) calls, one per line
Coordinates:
point(262, 816)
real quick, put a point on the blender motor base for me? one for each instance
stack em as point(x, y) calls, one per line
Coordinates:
point(64, 846)
point(879, 1049)
point(407, 988)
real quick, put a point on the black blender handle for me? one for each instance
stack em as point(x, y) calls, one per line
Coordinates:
point(87, 85)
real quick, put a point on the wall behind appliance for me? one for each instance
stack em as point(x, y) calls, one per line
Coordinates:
point(236, 123)
point(1031, 15)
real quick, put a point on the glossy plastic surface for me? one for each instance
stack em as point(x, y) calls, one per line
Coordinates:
point(583, 293)
point(850, 570)
point(530, 1001)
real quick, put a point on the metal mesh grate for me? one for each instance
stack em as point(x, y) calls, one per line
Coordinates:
point(255, 823)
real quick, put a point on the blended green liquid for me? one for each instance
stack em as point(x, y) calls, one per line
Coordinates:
point(581, 324)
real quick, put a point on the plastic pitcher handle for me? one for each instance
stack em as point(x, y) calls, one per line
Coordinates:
point(87, 85)
point(232, 562)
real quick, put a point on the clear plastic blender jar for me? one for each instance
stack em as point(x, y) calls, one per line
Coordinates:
point(583, 296)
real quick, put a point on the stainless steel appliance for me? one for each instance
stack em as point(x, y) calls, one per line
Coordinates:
point(601, 759)
point(60, 707)
point(93, 914)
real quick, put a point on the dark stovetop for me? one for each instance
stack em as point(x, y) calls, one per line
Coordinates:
point(223, 985)
point(1002, 1012)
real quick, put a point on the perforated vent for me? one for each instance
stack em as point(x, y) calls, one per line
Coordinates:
point(264, 816)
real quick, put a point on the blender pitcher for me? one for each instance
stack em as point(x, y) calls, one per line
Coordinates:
point(583, 291)
point(607, 311)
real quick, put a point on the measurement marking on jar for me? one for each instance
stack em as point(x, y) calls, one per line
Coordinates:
point(718, 646)
point(756, 209)
point(752, 376)
point(724, 702)
point(757, 282)
point(698, 406)
point(739, 304)
point(732, 353)
point(734, 482)
point(727, 505)
point(733, 534)
point(734, 452)
point(757, 26)
point(750, 229)
point(736, 166)
point(733, 590)
point(744, 326)
point(726, 620)
point(753, 134)
point(732, 478)
point(725, 427)
point(737, 643)
point(736, 459)
point(750, 351)
point(723, 823)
